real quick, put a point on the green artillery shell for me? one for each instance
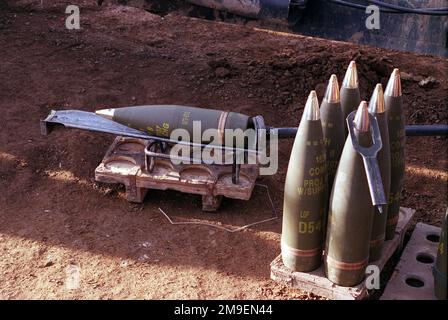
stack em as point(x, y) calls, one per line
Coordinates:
point(397, 140)
point(333, 123)
point(350, 97)
point(305, 194)
point(440, 268)
point(161, 120)
point(377, 108)
point(351, 212)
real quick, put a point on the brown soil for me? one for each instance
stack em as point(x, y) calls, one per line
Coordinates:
point(53, 214)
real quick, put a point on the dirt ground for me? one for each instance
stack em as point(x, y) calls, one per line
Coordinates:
point(55, 218)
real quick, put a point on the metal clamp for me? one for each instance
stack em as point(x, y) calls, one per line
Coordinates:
point(151, 153)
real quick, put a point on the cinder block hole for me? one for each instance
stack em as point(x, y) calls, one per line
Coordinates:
point(433, 237)
point(425, 258)
point(414, 282)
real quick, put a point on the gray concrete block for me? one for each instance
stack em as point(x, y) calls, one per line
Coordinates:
point(412, 278)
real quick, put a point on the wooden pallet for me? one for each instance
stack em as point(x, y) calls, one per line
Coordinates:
point(318, 284)
point(124, 163)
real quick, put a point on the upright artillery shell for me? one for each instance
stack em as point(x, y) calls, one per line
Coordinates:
point(333, 123)
point(397, 139)
point(377, 108)
point(350, 212)
point(350, 96)
point(440, 267)
point(305, 194)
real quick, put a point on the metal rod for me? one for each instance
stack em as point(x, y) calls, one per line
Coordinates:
point(413, 130)
point(427, 130)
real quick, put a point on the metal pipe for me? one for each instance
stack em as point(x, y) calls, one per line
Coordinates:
point(427, 130)
point(413, 130)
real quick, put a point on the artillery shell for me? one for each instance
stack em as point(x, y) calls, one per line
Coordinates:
point(333, 124)
point(350, 96)
point(305, 194)
point(161, 120)
point(397, 139)
point(377, 108)
point(350, 212)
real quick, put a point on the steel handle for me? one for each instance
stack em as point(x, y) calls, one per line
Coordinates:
point(375, 182)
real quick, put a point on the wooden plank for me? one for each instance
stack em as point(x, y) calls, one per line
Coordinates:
point(318, 284)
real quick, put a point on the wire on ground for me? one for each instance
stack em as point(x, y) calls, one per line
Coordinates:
point(231, 230)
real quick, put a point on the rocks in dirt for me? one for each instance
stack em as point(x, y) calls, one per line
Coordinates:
point(48, 261)
point(383, 67)
point(310, 60)
point(73, 277)
point(320, 90)
point(143, 258)
point(157, 43)
point(222, 72)
point(48, 264)
point(217, 63)
point(221, 67)
point(126, 263)
point(410, 77)
point(146, 244)
point(283, 65)
point(277, 102)
point(429, 83)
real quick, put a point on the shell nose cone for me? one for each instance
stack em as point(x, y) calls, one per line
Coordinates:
point(376, 104)
point(332, 92)
point(393, 88)
point(351, 76)
point(106, 113)
point(312, 111)
point(362, 121)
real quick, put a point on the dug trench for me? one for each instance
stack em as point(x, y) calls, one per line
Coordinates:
point(54, 215)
